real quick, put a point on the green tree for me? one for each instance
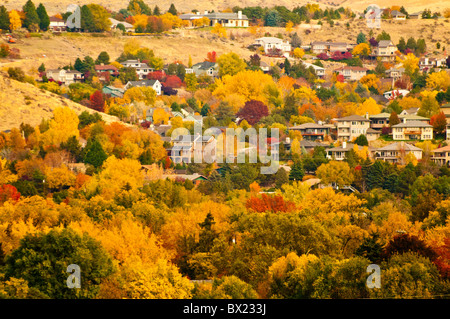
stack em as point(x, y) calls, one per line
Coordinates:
point(362, 140)
point(44, 20)
point(281, 177)
point(95, 155)
point(103, 57)
point(401, 46)
point(273, 18)
point(383, 36)
point(173, 10)
point(128, 74)
point(87, 19)
point(42, 260)
point(297, 172)
point(4, 18)
point(361, 38)
point(31, 21)
point(156, 11)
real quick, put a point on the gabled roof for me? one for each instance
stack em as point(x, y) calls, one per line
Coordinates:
point(205, 65)
point(442, 149)
point(384, 43)
point(380, 115)
point(397, 146)
point(142, 83)
point(353, 118)
point(413, 124)
point(308, 125)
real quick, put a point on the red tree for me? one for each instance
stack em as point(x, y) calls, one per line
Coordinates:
point(442, 262)
point(173, 81)
point(253, 111)
point(323, 56)
point(267, 203)
point(157, 75)
point(8, 192)
point(348, 55)
point(439, 122)
point(337, 56)
point(96, 101)
point(211, 57)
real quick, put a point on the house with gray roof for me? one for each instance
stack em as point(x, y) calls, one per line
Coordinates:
point(311, 131)
point(204, 68)
point(412, 130)
point(227, 19)
point(155, 84)
point(396, 152)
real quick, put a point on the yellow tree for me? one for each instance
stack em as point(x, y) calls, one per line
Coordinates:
point(368, 106)
point(160, 116)
point(335, 172)
point(14, 20)
point(58, 177)
point(289, 26)
point(362, 49)
point(410, 63)
point(219, 30)
point(140, 21)
point(230, 64)
point(140, 94)
point(438, 80)
point(370, 81)
point(63, 125)
point(299, 53)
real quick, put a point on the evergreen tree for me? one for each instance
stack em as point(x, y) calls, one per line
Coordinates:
point(370, 248)
point(44, 20)
point(87, 19)
point(156, 11)
point(31, 21)
point(207, 234)
point(297, 172)
point(287, 66)
point(361, 38)
point(103, 57)
point(79, 65)
point(94, 153)
point(41, 68)
point(4, 18)
point(362, 140)
point(401, 46)
point(375, 175)
point(172, 9)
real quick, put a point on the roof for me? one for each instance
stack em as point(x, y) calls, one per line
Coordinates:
point(55, 19)
point(205, 65)
point(413, 117)
point(270, 40)
point(372, 131)
point(191, 177)
point(308, 125)
point(192, 138)
point(384, 43)
point(353, 118)
point(413, 124)
point(311, 144)
point(225, 15)
point(348, 147)
point(352, 68)
point(124, 23)
point(398, 146)
point(380, 115)
point(142, 83)
point(411, 110)
point(442, 149)
point(106, 67)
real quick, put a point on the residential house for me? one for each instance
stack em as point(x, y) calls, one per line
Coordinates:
point(339, 153)
point(320, 71)
point(351, 127)
point(416, 15)
point(446, 110)
point(264, 66)
point(227, 19)
point(385, 51)
point(328, 47)
point(57, 24)
point(312, 131)
point(309, 146)
point(412, 130)
point(397, 15)
point(441, 156)
point(426, 63)
point(378, 121)
point(396, 152)
point(393, 94)
point(186, 147)
point(114, 23)
point(372, 134)
point(142, 69)
point(155, 84)
point(65, 76)
point(111, 69)
point(352, 73)
point(269, 43)
point(113, 91)
point(394, 73)
point(405, 118)
point(410, 111)
point(204, 68)
point(195, 177)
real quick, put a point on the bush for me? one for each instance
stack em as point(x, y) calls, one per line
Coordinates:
point(16, 73)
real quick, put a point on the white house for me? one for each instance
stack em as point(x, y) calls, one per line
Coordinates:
point(269, 43)
point(57, 24)
point(320, 71)
point(352, 73)
point(114, 23)
point(351, 127)
point(395, 94)
point(396, 152)
point(142, 69)
point(154, 84)
point(64, 76)
point(204, 68)
point(412, 130)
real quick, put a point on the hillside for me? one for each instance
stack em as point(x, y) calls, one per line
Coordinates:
point(54, 6)
point(23, 102)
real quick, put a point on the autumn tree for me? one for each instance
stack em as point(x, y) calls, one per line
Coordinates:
point(230, 64)
point(15, 21)
point(393, 119)
point(253, 111)
point(439, 123)
point(268, 203)
point(429, 106)
point(63, 125)
point(335, 172)
point(219, 30)
point(96, 101)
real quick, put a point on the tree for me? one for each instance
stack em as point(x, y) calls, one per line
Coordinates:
point(100, 18)
point(43, 260)
point(383, 36)
point(410, 63)
point(31, 21)
point(297, 172)
point(173, 10)
point(439, 122)
point(253, 111)
point(362, 49)
point(103, 57)
point(335, 172)
point(128, 74)
point(95, 155)
point(63, 125)
point(361, 38)
point(438, 81)
point(220, 30)
point(4, 18)
point(96, 101)
point(44, 20)
point(15, 21)
point(429, 105)
point(87, 19)
point(230, 64)
point(273, 18)
point(361, 140)
point(393, 119)
point(191, 81)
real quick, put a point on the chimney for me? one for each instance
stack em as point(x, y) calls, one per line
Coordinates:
point(198, 12)
point(239, 14)
point(206, 11)
point(367, 115)
point(344, 145)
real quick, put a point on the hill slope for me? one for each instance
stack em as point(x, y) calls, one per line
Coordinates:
point(23, 102)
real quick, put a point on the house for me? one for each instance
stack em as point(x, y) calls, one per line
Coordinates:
point(114, 23)
point(320, 71)
point(186, 147)
point(394, 73)
point(378, 121)
point(445, 108)
point(405, 118)
point(311, 131)
point(318, 47)
point(57, 24)
point(441, 156)
point(195, 177)
point(227, 19)
point(111, 69)
point(269, 43)
point(426, 63)
point(412, 130)
point(264, 66)
point(352, 73)
point(372, 134)
point(396, 152)
point(416, 15)
point(410, 111)
point(385, 51)
point(351, 127)
point(155, 84)
point(113, 91)
point(142, 69)
point(204, 68)
point(339, 153)
point(397, 15)
point(64, 76)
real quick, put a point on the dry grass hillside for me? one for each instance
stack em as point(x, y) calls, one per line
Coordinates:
point(54, 6)
point(23, 102)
